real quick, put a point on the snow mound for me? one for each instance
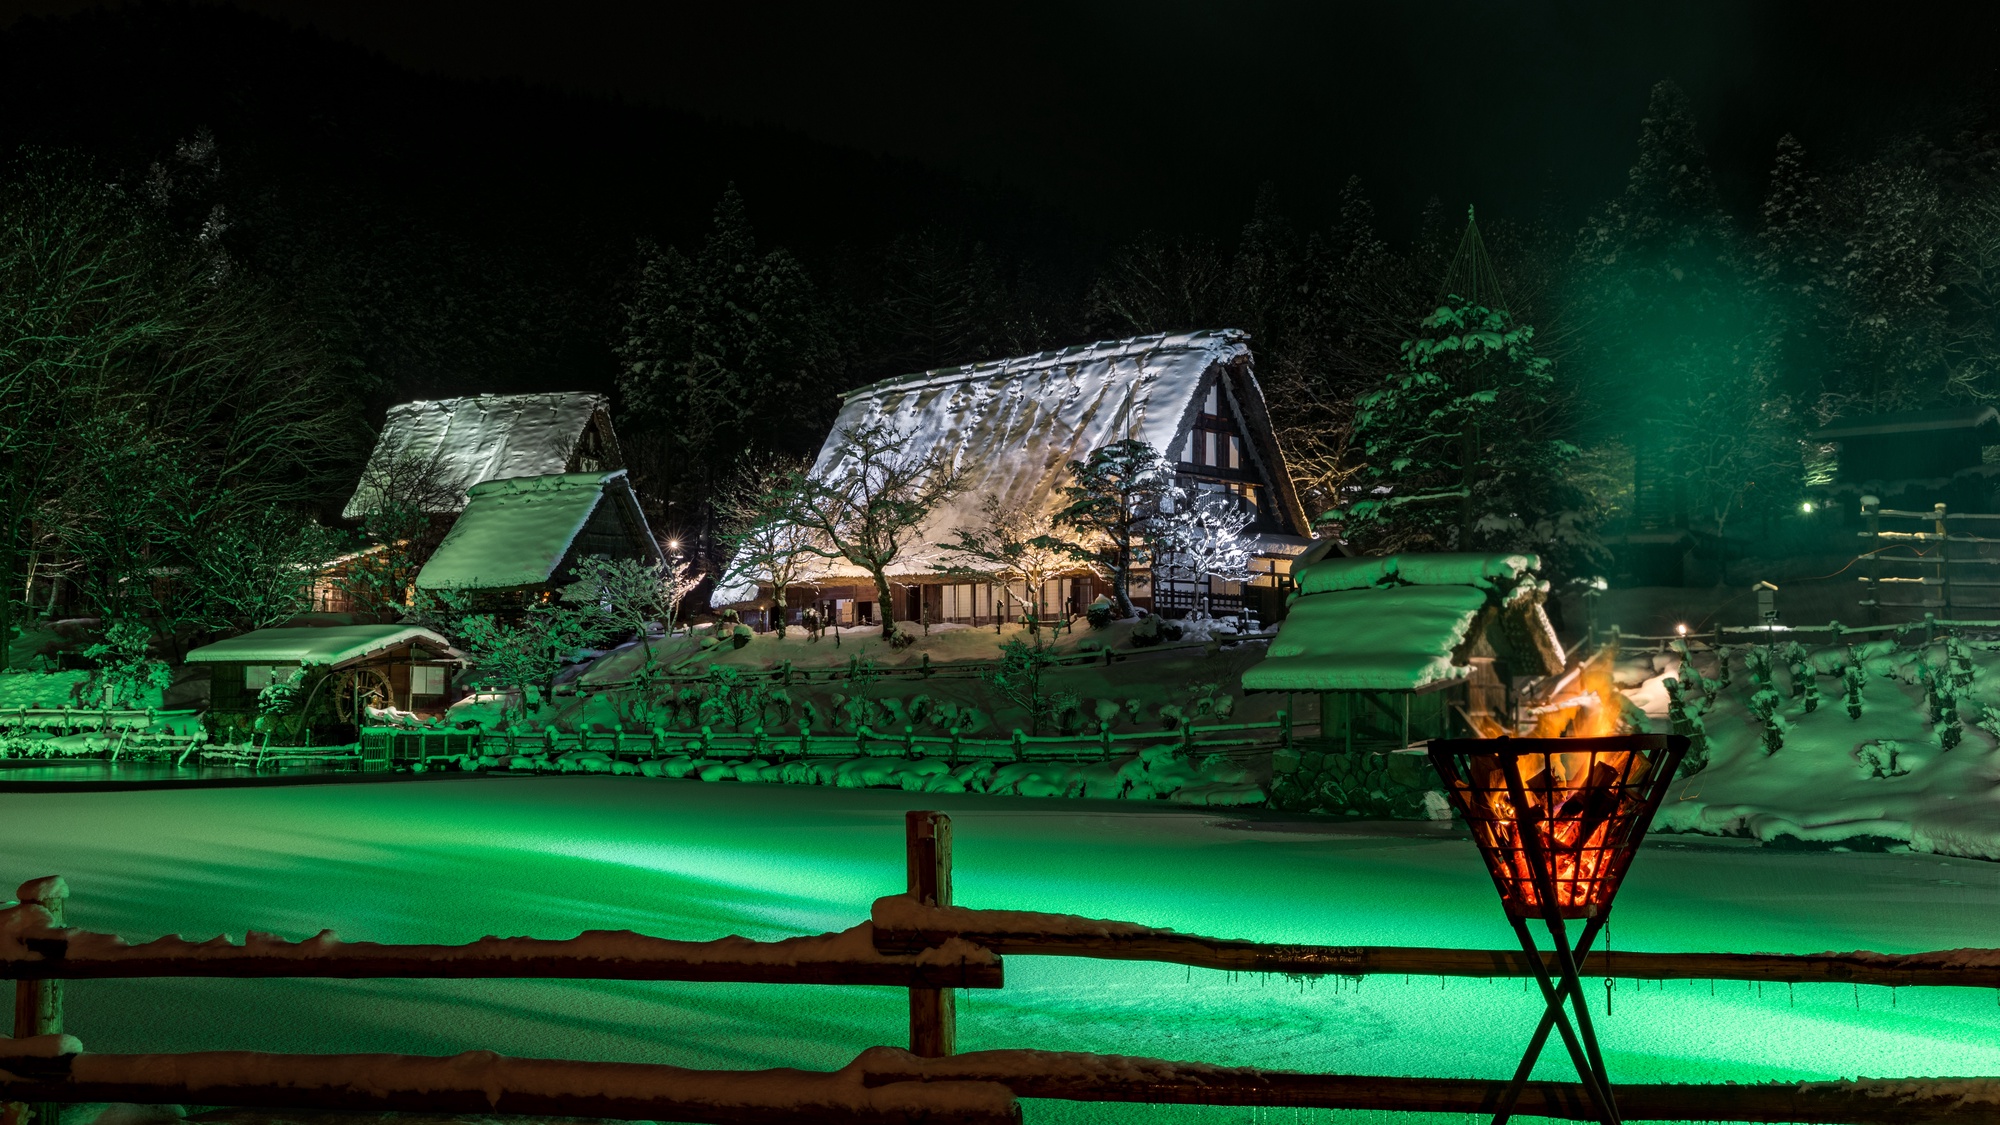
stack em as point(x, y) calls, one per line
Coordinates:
point(1903, 753)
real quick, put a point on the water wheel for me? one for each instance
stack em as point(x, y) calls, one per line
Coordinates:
point(353, 687)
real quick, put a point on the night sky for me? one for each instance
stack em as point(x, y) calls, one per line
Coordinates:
point(1128, 115)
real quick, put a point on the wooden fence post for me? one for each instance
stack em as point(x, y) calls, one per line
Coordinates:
point(933, 1014)
point(38, 1007)
point(1943, 560)
point(1873, 514)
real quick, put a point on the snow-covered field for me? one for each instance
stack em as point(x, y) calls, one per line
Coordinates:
point(1911, 758)
point(455, 859)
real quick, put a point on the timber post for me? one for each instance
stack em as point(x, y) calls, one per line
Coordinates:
point(1871, 510)
point(1943, 559)
point(38, 1004)
point(1104, 736)
point(933, 1013)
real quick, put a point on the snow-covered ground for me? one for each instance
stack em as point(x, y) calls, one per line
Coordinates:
point(1902, 768)
point(453, 860)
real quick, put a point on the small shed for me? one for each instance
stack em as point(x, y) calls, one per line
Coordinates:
point(520, 538)
point(1913, 444)
point(345, 667)
point(1403, 648)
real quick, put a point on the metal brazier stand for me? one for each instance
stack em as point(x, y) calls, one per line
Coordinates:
point(1557, 821)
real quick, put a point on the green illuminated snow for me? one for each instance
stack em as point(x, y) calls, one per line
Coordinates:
point(452, 860)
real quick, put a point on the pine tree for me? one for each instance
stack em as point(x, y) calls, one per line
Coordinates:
point(1677, 362)
point(1457, 443)
point(1111, 495)
point(720, 351)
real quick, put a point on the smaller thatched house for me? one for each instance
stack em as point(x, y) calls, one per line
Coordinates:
point(521, 538)
point(1405, 648)
point(345, 669)
point(467, 441)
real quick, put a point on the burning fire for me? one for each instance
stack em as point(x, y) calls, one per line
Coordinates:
point(1586, 703)
point(1579, 808)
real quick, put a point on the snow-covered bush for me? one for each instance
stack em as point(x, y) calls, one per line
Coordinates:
point(1018, 677)
point(1881, 757)
point(127, 675)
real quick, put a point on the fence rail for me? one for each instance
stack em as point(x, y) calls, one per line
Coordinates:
point(860, 669)
point(1944, 568)
point(918, 940)
point(398, 745)
point(1716, 637)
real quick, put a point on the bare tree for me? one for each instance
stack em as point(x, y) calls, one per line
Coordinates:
point(407, 506)
point(1199, 535)
point(871, 499)
point(766, 542)
point(1015, 544)
point(628, 596)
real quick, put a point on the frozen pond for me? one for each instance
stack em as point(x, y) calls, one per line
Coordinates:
point(451, 860)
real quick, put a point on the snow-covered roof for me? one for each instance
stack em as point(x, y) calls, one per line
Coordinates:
point(1398, 622)
point(517, 532)
point(1911, 421)
point(483, 437)
point(1016, 424)
point(333, 645)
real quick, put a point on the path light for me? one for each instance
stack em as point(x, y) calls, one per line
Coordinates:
point(1557, 821)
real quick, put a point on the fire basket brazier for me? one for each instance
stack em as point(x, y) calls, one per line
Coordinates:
point(1557, 821)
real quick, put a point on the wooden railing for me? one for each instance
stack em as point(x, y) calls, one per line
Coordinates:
point(1192, 739)
point(859, 668)
point(917, 940)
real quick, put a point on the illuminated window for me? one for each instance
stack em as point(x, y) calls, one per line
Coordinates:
point(1210, 458)
point(426, 679)
point(257, 677)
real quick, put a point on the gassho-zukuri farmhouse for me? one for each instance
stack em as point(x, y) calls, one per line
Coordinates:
point(1016, 424)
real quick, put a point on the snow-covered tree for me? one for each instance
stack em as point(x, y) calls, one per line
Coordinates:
point(718, 351)
point(1459, 445)
point(765, 543)
point(528, 651)
point(1011, 543)
point(128, 344)
point(1198, 535)
point(1109, 497)
point(627, 596)
point(874, 496)
point(408, 510)
point(1677, 365)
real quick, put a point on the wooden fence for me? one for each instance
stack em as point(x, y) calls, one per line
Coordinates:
point(1942, 564)
point(1718, 636)
point(397, 746)
point(916, 940)
point(860, 669)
